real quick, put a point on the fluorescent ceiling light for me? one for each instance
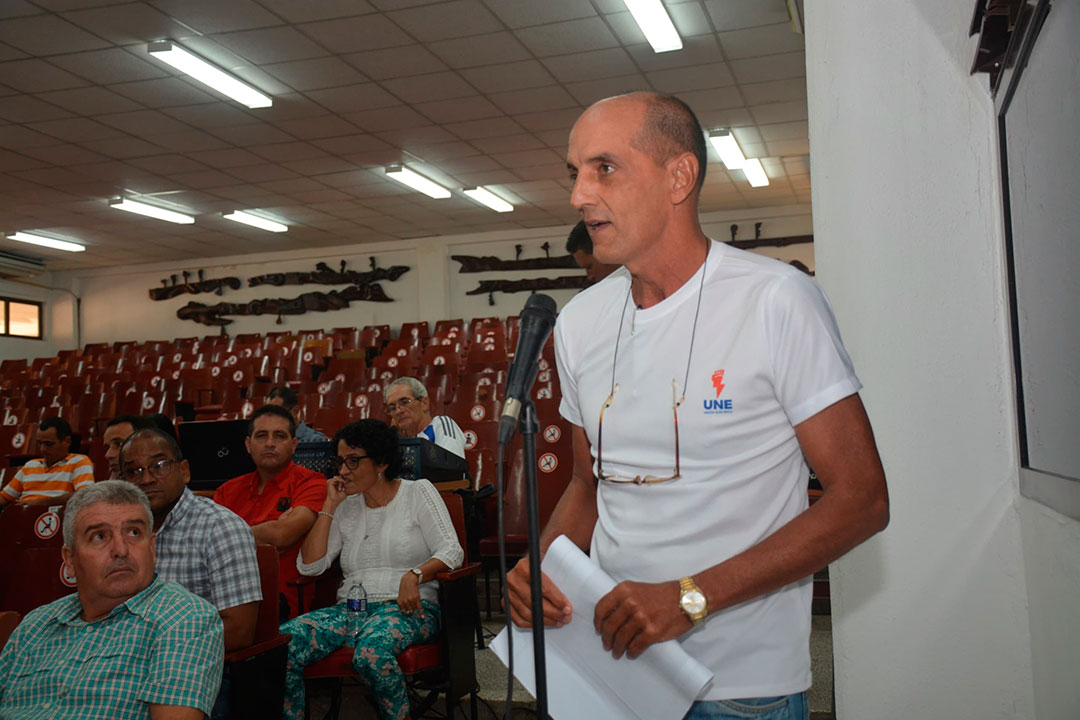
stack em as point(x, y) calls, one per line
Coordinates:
point(485, 197)
point(256, 221)
point(207, 74)
point(729, 150)
point(653, 20)
point(47, 242)
point(416, 181)
point(153, 211)
point(755, 174)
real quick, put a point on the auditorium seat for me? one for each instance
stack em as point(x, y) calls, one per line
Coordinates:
point(415, 331)
point(442, 327)
point(374, 336)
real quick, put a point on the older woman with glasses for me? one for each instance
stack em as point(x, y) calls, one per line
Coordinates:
point(393, 537)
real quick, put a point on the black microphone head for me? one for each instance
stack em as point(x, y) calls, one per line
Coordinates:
point(540, 302)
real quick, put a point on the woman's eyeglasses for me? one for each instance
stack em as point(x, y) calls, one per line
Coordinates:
point(637, 479)
point(351, 462)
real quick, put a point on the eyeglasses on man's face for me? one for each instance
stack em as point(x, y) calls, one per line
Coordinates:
point(401, 404)
point(351, 462)
point(676, 401)
point(157, 470)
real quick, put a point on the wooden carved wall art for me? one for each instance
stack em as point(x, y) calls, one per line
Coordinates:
point(304, 303)
point(759, 241)
point(489, 263)
point(325, 275)
point(214, 285)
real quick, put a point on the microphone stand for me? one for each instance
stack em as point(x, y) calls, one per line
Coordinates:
point(528, 426)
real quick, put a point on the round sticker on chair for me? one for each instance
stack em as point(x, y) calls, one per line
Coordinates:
point(47, 525)
point(543, 364)
point(439, 360)
point(544, 376)
point(374, 387)
point(11, 420)
point(175, 374)
point(402, 352)
point(340, 377)
point(238, 376)
point(177, 357)
point(361, 401)
point(489, 347)
point(543, 393)
point(386, 376)
point(470, 439)
point(483, 381)
point(18, 440)
point(66, 576)
point(547, 462)
point(552, 433)
point(324, 388)
point(392, 362)
point(247, 409)
point(308, 356)
point(478, 412)
point(148, 402)
point(215, 371)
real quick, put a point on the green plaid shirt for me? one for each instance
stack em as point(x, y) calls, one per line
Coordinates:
point(162, 646)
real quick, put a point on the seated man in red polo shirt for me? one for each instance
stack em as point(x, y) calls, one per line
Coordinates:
point(278, 485)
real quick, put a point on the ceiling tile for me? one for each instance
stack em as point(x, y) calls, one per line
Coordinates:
point(509, 143)
point(315, 74)
point(699, 77)
point(289, 107)
point(350, 144)
point(127, 24)
point(76, 129)
point(765, 40)
point(510, 76)
point(567, 37)
point(319, 166)
point(407, 137)
point(358, 34)
point(122, 147)
point(281, 152)
point(12, 162)
point(66, 155)
point(170, 164)
point(9, 53)
point(396, 62)
point(389, 118)
point(779, 112)
point(586, 93)
point(90, 101)
point(785, 131)
point(227, 158)
point(302, 11)
point(353, 98)
point(19, 8)
point(162, 93)
point(34, 76)
point(559, 119)
point(780, 148)
point(189, 141)
point(534, 100)
point(16, 137)
point(109, 66)
point(490, 49)
point(737, 14)
point(775, 91)
point(458, 110)
point(769, 67)
point(523, 13)
point(488, 127)
point(689, 20)
point(446, 20)
point(435, 154)
point(591, 65)
point(144, 123)
point(209, 115)
point(271, 45)
point(437, 86)
point(696, 51)
point(214, 16)
point(205, 179)
point(47, 35)
point(255, 133)
point(627, 30)
point(321, 127)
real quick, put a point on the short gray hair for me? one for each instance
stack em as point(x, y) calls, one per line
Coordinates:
point(112, 492)
point(417, 387)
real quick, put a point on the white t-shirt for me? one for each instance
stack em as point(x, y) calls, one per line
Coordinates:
point(445, 433)
point(766, 356)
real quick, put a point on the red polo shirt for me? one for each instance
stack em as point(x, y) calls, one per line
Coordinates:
point(295, 486)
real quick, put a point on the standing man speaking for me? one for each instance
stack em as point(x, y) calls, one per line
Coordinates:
point(700, 381)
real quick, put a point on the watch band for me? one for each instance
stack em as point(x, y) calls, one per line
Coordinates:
point(419, 574)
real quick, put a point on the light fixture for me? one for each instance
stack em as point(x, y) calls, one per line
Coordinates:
point(139, 208)
point(653, 20)
point(416, 181)
point(755, 174)
point(47, 242)
point(729, 149)
point(258, 221)
point(485, 197)
point(171, 53)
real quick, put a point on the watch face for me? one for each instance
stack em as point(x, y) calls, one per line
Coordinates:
point(692, 602)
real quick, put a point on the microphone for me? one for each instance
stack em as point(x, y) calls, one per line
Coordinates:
point(537, 322)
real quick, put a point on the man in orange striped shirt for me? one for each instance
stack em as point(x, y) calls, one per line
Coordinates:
point(52, 478)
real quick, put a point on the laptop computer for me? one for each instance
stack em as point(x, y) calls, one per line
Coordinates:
point(215, 451)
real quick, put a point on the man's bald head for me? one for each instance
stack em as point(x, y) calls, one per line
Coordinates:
point(669, 128)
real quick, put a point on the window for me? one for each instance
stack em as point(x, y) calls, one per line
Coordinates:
point(20, 318)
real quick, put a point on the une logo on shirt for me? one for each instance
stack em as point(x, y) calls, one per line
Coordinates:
point(718, 405)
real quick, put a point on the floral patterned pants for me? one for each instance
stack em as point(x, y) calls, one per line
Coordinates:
point(385, 633)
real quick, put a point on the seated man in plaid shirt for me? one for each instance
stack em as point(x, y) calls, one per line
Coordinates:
point(201, 545)
point(127, 644)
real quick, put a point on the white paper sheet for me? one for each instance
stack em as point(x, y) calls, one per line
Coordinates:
point(584, 681)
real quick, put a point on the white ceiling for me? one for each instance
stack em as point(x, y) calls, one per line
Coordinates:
point(470, 92)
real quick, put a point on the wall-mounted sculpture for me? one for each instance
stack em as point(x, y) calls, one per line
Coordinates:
point(489, 263)
point(304, 303)
point(325, 275)
point(214, 285)
point(568, 282)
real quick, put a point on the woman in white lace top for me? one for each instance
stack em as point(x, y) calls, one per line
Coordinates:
point(392, 536)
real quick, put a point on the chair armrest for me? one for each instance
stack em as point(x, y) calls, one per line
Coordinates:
point(257, 648)
point(462, 572)
point(302, 580)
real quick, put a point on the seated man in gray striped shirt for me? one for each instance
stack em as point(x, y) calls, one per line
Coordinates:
point(409, 410)
point(127, 645)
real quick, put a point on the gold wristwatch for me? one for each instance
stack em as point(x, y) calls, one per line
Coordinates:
point(692, 601)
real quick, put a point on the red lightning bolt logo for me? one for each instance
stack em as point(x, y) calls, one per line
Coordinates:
point(718, 381)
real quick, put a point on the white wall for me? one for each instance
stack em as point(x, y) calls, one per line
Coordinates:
point(930, 618)
point(116, 304)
